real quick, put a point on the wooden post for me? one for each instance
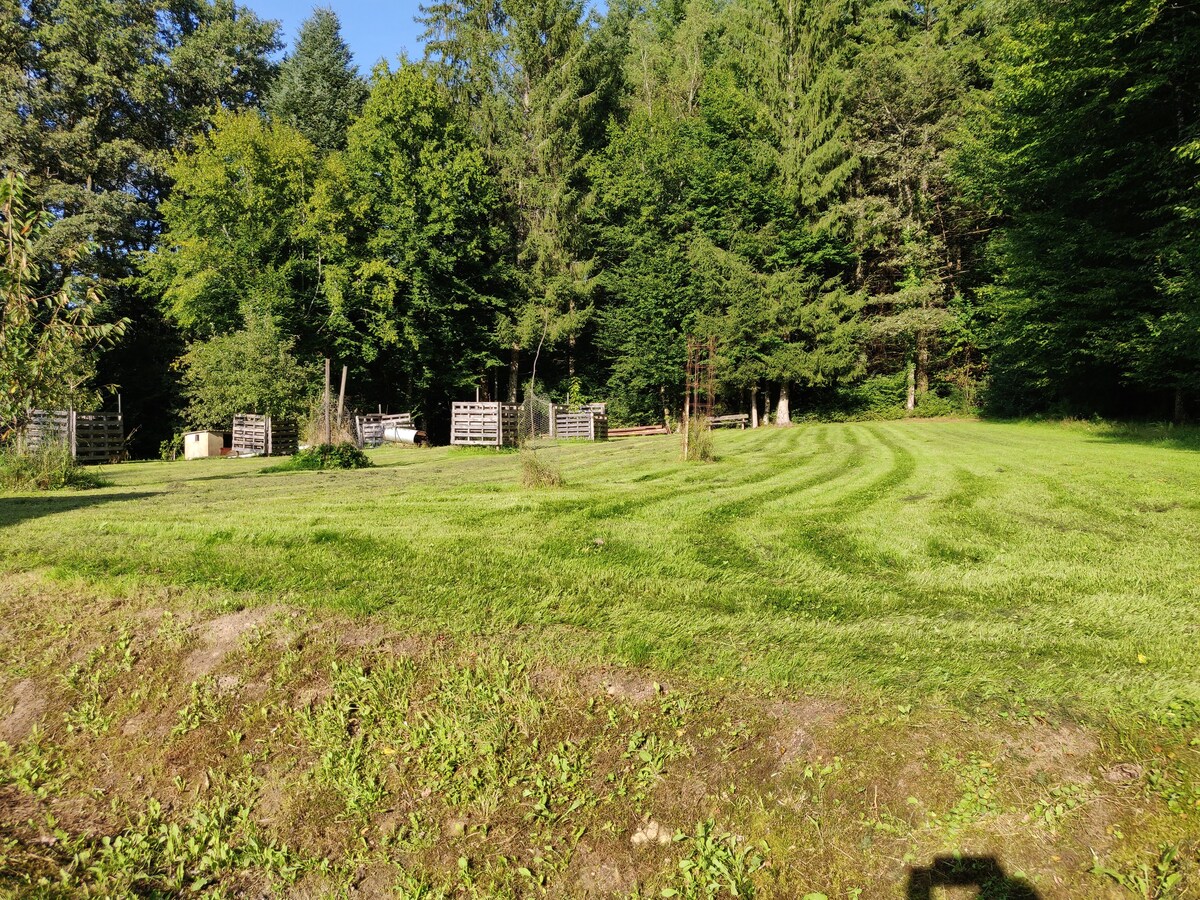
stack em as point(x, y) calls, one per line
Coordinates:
point(267, 436)
point(328, 436)
point(553, 421)
point(342, 394)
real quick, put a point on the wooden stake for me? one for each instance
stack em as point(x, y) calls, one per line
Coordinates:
point(342, 394)
point(328, 436)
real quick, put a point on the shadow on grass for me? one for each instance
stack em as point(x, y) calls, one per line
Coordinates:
point(983, 872)
point(14, 510)
point(1173, 437)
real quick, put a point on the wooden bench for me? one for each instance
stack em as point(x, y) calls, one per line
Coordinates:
point(638, 431)
point(740, 420)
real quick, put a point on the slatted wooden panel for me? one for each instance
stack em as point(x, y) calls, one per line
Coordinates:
point(99, 437)
point(263, 436)
point(588, 425)
point(739, 420)
point(484, 424)
point(93, 438)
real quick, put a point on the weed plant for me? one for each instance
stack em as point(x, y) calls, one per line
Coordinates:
point(47, 468)
point(700, 445)
point(324, 456)
point(537, 471)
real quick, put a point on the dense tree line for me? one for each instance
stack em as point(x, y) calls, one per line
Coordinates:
point(873, 205)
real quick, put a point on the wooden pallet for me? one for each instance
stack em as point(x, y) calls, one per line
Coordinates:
point(588, 424)
point(370, 428)
point(93, 438)
point(484, 424)
point(263, 436)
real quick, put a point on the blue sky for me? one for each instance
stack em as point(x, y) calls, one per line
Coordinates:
point(374, 29)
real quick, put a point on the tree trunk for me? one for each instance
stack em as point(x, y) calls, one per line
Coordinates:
point(1180, 415)
point(514, 372)
point(922, 373)
point(783, 412)
point(754, 406)
point(911, 403)
point(662, 396)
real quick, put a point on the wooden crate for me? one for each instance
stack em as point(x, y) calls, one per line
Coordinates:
point(484, 424)
point(263, 436)
point(93, 438)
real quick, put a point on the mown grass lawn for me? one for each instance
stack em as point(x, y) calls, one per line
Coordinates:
point(930, 586)
point(960, 559)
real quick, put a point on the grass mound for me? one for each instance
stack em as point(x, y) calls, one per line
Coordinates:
point(47, 469)
point(324, 456)
point(537, 472)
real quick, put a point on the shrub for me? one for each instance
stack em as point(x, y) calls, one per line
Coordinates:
point(538, 472)
point(170, 450)
point(46, 469)
point(324, 456)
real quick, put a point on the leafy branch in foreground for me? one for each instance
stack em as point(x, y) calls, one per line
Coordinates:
point(47, 340)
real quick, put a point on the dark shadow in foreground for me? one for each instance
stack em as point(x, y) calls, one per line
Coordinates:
point(983, 872)
point(18, 509)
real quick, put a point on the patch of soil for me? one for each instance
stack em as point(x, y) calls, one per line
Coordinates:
point(221, 636)
point(799, 728)
point(619, 684)
point(597, 873)
point(29, 704)
point(1062, 750)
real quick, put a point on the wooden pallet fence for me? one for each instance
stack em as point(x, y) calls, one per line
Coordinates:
point(369, 428)
point(638, 431)
point(484, 424)
point(586, 424)
point(263, 436)
point(93, 438)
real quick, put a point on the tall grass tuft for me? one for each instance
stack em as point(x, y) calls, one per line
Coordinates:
point(700, 441)
point(537, 472)
point(312, 428)
point(48, 468)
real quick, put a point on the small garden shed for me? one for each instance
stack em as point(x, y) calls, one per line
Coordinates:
point(202, 444)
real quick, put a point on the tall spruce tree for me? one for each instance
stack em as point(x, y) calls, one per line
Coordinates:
point(318, 91)
point(915, 74)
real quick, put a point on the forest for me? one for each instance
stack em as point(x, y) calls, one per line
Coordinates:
point(876, 208)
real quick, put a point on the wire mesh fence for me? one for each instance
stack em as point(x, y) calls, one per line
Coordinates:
point(535, 419)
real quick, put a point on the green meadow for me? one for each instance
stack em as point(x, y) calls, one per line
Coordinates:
point(987, 635)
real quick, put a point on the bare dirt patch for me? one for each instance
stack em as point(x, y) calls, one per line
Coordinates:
point(29, 704)
point(221, 636)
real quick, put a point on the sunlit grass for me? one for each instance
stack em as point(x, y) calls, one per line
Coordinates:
point(961, 560)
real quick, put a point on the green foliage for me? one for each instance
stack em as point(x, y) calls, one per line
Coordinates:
point(1084, 154)
point(48, 342)
point(716, 864)
point(251, 370)
point(412, 252)
point(48, 468)
point(97, 95)
point(238, 246)
point(700, 445)
point(318, 91)
point(171, 449)
point(324, 456)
